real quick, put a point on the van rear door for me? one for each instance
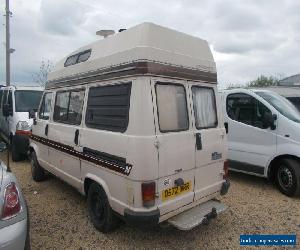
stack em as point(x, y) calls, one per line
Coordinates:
point(175, 143)
point(210, 151)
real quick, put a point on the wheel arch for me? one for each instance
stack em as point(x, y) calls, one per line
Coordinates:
point(89, 179)
point(273, 166)
point(33, 148)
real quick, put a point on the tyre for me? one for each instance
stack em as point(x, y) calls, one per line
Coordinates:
point(37, 172)
point(101, 214)
point(15, 155)
point(288, 176)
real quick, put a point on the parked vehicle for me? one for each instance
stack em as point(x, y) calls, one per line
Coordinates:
point(264, 136)
point(16, 128)
point(14, 220)
point(292, 93)
point(134, 122)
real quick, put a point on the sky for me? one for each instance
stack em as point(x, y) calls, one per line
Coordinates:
point(247, 38)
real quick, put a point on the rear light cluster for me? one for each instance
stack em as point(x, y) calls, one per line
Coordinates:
point(225, 168)
point(11, 205)
point(148, 194)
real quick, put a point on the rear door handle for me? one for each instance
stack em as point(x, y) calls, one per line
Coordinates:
point(76, 137)
point(198, 141)
point(46, 130)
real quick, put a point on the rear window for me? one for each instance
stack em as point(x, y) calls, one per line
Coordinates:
point(108, 107)
point(204, 107)
point(171, 107)
point(27, 100)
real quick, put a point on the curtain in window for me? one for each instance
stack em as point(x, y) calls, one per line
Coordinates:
point(204, 107)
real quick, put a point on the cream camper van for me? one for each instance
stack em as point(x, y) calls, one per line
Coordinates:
point(134, 122)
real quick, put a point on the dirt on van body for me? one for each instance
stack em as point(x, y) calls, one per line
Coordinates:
point(59, 219)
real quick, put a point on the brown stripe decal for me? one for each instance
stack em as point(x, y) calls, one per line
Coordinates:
point(135, 68)
point(120, 166)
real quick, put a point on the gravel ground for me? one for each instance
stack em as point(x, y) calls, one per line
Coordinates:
point(59, 218)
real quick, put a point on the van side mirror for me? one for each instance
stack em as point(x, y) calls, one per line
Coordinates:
point(7, 110)
point(269, 120)
point(31, 114)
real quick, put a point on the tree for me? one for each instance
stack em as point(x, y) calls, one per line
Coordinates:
point(264, 81)
point(40, 77)
point(261, 81)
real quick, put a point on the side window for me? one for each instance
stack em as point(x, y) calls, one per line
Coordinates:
point(68, 106)
point(108, 107)
point(84, 56)
point(171, 107)
point(246, 109)
point(204, 107)
point(71, 60)
point(75, 107)
point(45, 107)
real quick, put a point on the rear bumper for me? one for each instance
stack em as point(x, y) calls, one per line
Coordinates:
point(21, 143)
point(14, 236)
point(142, 219)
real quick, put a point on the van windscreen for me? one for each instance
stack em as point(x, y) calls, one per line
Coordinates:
point(27, 100)
point(282, 105)
point(295, 101)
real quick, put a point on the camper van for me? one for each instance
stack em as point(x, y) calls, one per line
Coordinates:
point(16, 126)
point(263, 136)
point(133, 121)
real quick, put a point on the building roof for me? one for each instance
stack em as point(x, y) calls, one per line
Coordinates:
point(291, 80)
point(146, 42)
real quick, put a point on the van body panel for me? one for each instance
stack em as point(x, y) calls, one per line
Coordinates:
point(209, 159)
point(169, 144)
point(68, 164)
point(39, 129)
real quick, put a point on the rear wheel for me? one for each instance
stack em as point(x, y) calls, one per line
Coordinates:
point(288, 176)
point(37, 172)
point(101, 214)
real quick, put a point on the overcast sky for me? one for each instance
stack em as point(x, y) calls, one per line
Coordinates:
point(248, 38)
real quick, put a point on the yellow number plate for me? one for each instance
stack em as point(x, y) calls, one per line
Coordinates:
point(175, 191)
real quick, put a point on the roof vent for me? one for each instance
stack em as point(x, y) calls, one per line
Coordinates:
point(105, 33)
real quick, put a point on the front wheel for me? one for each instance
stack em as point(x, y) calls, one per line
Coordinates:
point(288, 177)
point(101, 214)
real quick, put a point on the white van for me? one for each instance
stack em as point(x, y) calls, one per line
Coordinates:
point(134, 122)
point(263, 136)
point(17, 126)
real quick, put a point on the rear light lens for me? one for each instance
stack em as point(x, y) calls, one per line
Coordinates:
point(11, 206)
point(148, 194)
point(225, 168)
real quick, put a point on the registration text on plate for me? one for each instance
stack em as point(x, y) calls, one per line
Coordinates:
point(176, 191)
